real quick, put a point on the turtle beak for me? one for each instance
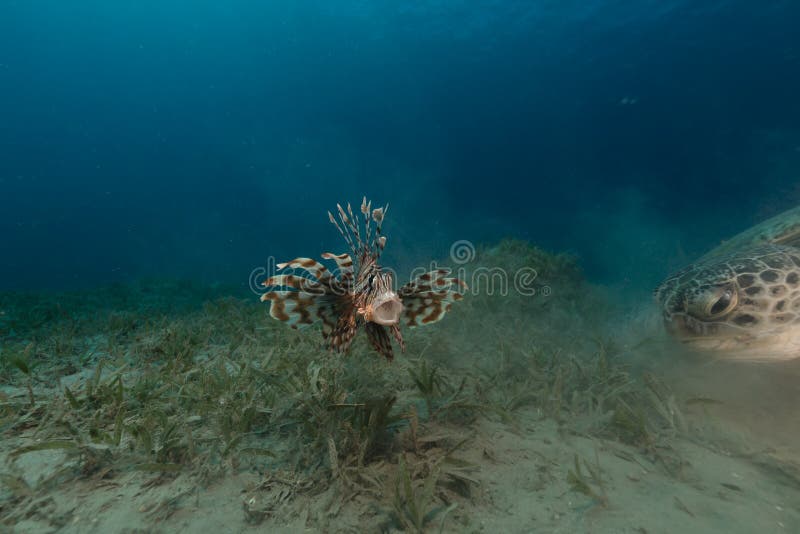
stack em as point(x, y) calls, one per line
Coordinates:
point(686, 327)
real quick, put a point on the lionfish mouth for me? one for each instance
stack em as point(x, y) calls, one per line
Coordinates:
point(385, 310)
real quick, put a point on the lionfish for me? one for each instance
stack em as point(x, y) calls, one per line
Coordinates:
point(359, 293)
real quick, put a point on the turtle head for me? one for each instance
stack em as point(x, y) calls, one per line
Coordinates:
point(743, 305)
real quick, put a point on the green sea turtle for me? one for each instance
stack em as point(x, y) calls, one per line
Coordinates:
point(742, 299)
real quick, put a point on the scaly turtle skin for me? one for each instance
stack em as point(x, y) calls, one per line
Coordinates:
point(742, 299)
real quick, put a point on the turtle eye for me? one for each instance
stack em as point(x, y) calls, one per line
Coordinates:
point(712, 302)
point(722, 304)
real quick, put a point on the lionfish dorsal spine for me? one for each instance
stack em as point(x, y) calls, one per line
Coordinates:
point(345, 234)
point(379, 242)
point(354, 225)
point(365, 211)
point(366, 244)
point(349, 229)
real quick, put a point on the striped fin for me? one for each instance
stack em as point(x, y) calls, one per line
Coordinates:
point(354, 227)
point(432, 281)
point(295, 308)
point(300, 283)
point(349, 227)
point(398, 336)
point(428, 297)
point(313, 267)
point(301, 299)
point(341, 335)
point(379, 242)
point(342, 231)
point(299, 309)
point(366, 208)
point(437, 278)
point(329, 309)
point(344, 263)
point(380, 340)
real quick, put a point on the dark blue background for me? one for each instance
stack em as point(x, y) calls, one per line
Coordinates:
point(196, 138)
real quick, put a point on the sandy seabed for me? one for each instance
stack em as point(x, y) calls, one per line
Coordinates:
point(166, 407)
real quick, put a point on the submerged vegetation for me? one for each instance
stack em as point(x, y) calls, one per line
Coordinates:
point(157, 381)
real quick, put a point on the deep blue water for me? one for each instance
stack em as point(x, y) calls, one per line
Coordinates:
point(195, 138)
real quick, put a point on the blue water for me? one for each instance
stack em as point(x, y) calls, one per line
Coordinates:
point(194, 139)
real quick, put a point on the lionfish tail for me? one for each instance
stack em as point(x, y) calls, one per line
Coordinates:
point(428, 297)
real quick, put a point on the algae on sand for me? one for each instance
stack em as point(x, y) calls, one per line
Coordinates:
point(162, 413)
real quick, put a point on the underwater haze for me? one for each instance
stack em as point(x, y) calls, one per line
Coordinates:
point(194, 139)
point(549, 163)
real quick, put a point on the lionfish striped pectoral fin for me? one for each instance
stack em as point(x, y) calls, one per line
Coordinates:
point(299, 309)
point(314, 294)
point(428, 297)
point(344, 265)
point(300, 299)
point(340, 336)
point(295, 308)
